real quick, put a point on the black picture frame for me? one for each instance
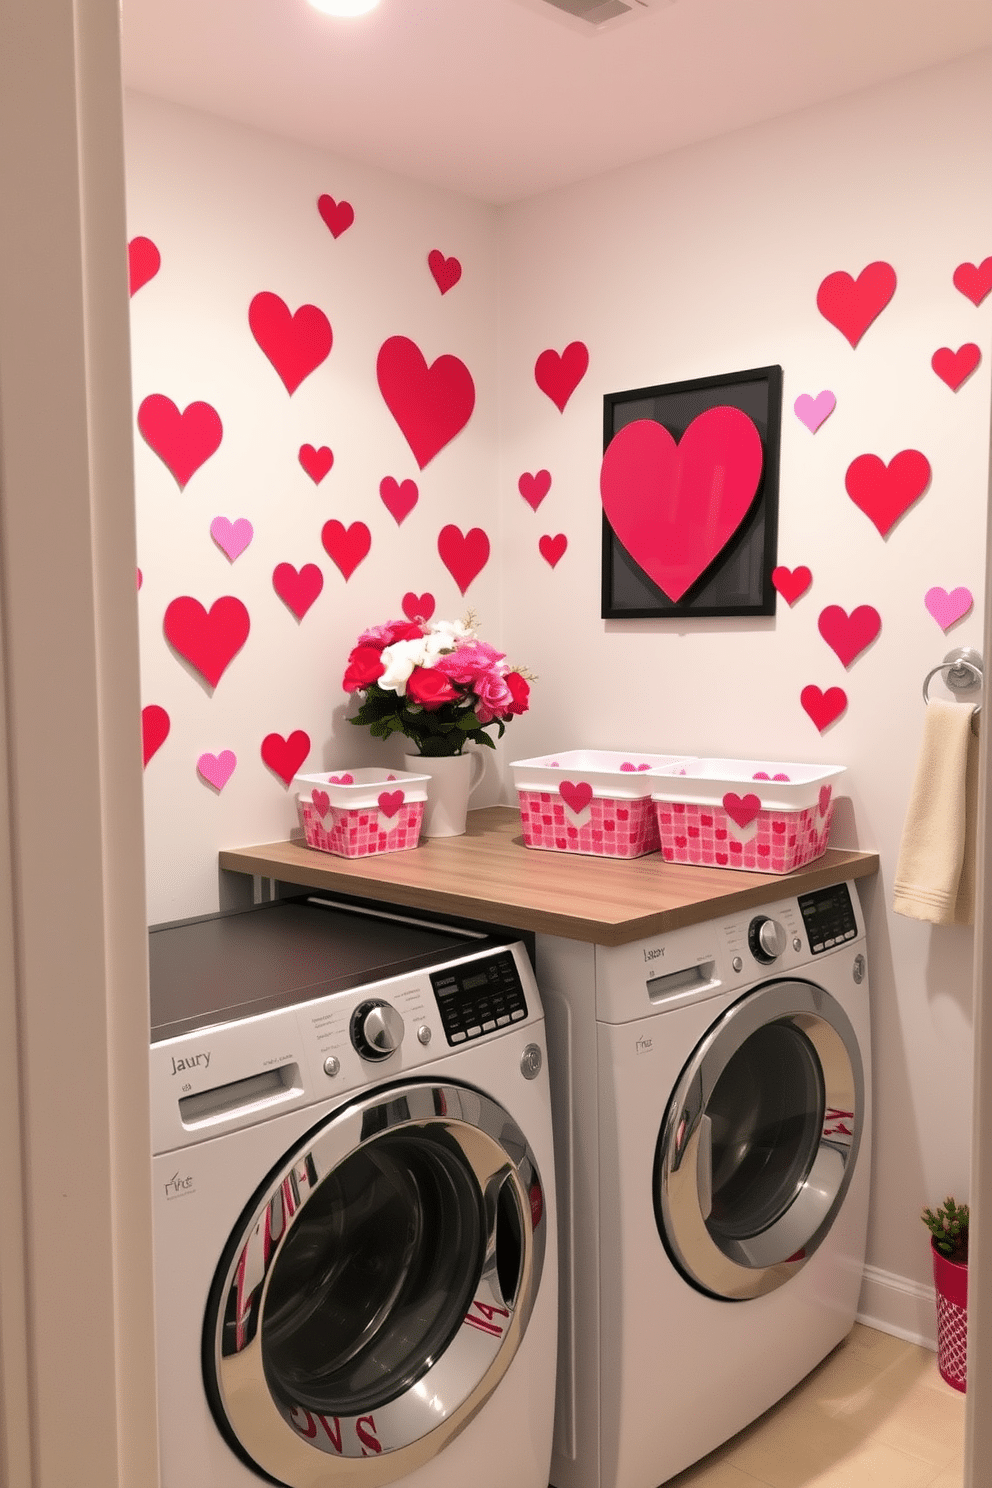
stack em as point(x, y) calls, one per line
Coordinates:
point(739, 579)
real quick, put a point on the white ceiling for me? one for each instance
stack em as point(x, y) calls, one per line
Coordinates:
point(503, 99)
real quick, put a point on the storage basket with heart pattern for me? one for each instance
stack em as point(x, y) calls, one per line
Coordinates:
point(590, 801)
point(766, 817)
point(354, 813)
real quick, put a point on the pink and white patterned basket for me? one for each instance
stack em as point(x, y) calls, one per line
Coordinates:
point(590, 801)
point(759, 816)
point(354, 813)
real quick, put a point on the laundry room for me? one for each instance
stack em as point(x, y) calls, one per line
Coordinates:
point(305, 500)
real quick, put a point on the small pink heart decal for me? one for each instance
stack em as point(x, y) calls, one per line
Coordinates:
point(346, 546)
point(814, 411)
point(974, 281)
point(446, 271)
point(431, 404)
point(321, 800)
point(792, 583)
point(316, 462)
point(576, 795)
point(182, 441)
point(295, 344)
point(823, 707)
point(232, 537)
point(764, 775)
point(337, 216)
point(852, 304)
point(741, 809)
point(346, 779)
point(285, 756)
point(209, 640)
point(143, 262)
point(559, 374)
point(553, 548)
point(848, 635)
point(297, 590)
point(464, 555)
point(398, 499)
point(824, 798)
point(534, 488)
point(391, 801)
point(217, 769)
point(953, 367)
point(418, 606)
point(155, 725)
point(946, 608)
point(628, 766)
point(883, 492)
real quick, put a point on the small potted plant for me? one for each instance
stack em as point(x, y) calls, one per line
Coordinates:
point(948, 1228)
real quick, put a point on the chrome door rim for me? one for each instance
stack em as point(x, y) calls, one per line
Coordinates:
point(750, 1267)
point(301, 1448)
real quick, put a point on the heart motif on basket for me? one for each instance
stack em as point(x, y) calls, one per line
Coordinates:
point(347, 779)
point(826, 791)
point(321, 800)
point(628, 766)
point(764, 775)
point(391, 801)
point(576, 794)
point(741, 809)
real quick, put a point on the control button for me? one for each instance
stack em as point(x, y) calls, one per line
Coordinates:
point(458, 1038)
point(858, 969)
point(850, 935)
point(474, 1031)
point(424, 1034)
point(332, 1065)
point(828, 943)
point(531, 1062)
point(376, 1029)
point(502, 1021)
point(489, 1025)
point(766, 939)
point(817, 947)
point(797, 944)
point(520, 1013)
point(738, 963)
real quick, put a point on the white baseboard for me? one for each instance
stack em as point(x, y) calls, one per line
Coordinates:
point(896, 1305)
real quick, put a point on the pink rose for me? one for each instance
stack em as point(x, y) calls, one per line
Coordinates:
point(430, 688)
point(364, 666)
point(468, 662)
point(494, 696)
point(519, 692)
point(381, 636)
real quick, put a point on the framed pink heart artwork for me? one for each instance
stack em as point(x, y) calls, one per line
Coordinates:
point(689, 486)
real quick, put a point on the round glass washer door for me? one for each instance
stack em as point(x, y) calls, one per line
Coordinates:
point(376, 1288)
point(759, 1140)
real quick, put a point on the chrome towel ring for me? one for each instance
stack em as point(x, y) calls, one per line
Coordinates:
point(963, 672)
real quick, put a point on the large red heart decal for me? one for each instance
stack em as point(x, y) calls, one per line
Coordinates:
point(298, 590)
point(182, 441)
point(155, 725)
point(576, 794)
point(285, 756)
point(823, 707)
point(974, 281)
point(953, 367)
point(346, 546)
point(316, 462)
point(208, 639)
point(399, 498)
point(852, 304)
point(674, 507)
point(446, 271)
point(534, 487)
point(792, 583)
point(337, 216)
point(143, 262)
point(464, 555)
point(418, 606)
point(849, 634)
point(883, 492)
point(294, 344)
point(742, 809)
point(430, 404)
point(559, 374)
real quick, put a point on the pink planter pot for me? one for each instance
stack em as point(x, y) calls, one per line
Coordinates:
point(950, 1279)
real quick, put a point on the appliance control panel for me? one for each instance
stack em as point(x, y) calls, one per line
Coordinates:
point(478, 997)
point(828, 917)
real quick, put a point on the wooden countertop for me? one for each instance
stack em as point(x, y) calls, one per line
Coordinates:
point(488, 874)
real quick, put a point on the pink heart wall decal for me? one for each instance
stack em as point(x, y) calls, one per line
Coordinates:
point(849, 635)
point(852, 304)
point(674, 507)
point(297, 590)
point(792, 583)
point(391, 801)
point(316, 462)
point(883, 492)
point(418, 606)
point(143, 262)
point(430, 404)
point(947, 608)
point(182, 441)
point(953, 367)
point(534, 488)
point(337, 216)
point(232, 537)
point(559, 374)
point(217, 769)
point(464, 555)
point(346, 546)
point(741, 809)
point(208, 639)
point(295, 344)
point(321, 800)
point(814, 411)
point(446, 271)
point(823, 707)
point(576, 794)
point(155, 725)
point(399, 498)
point(974, 281)
point(346, 779)
point(285, 756)
point(553, 548)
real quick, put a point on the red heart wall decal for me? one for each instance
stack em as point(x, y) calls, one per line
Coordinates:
point(974, 281)
point(848, 635)
point(390, 802)
point(792, 583)
point(347, 546)
point(823, 707)
point(285, 756)
point(208, 639)
point(338, 216)
point(464, 555)
point(143, 262)
point(852, 304)
point(553, 548)
point(446, 271)
point(316, 462)
point(953, 367)
point(418, 606)
point(297, 590)
point(155, 725)
point(674, 507)
point(295, 344)
point(430, 404)
point(398, 499)
point(182, 441)
point(741, 809)
point(559, 375)
point(883, 492)
point(534, 488)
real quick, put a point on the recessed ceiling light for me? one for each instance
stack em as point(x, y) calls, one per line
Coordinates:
point(344, 7)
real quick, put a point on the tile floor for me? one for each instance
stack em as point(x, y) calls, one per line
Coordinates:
point(874, 1414)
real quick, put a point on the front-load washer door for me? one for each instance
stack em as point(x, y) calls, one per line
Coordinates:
point(759, 1141)
point(376, 1287)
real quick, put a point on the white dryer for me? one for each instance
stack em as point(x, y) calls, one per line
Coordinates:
point(356, 1258)
point(712, 1092)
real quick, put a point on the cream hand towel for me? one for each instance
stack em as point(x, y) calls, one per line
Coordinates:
point(935, 875)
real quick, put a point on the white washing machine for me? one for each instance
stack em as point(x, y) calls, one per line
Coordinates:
point(712, 1096)
point(355, 1232)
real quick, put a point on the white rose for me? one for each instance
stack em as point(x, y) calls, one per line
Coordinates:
point(399, 660)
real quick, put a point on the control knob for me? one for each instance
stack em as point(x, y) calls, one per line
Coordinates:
point(766, 939)
point(376, 1029)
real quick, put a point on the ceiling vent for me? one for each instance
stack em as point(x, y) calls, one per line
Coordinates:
point(595, 16)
